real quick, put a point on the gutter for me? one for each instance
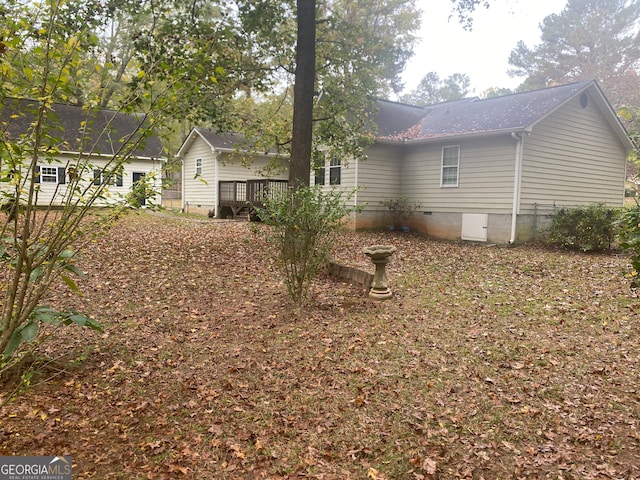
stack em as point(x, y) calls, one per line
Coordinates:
point(440, 138)
point(110, 155)
point(250, 152)
point(517, 184)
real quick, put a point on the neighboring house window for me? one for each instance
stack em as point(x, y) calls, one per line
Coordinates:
point(334, 171)
point(50, 175)
point(320, 173)
point(198, 166)
point(450, 166)
point(100, 177)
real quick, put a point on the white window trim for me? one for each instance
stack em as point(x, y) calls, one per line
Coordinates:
point(198, 166)
point(323, 171)
point(49, 175)
point(335, 163)
point(442, 167)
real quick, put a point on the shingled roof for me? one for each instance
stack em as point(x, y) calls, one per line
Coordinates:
point(473, 116)
point(105, 131)
point(396, 122)
point(223, 141)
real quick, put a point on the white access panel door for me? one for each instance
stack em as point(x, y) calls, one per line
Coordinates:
point(474, 226)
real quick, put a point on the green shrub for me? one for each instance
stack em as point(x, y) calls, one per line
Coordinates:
point(301, 223)
point(400, 209)
point(629, 235)
point(590, 229)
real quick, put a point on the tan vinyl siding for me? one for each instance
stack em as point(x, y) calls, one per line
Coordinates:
point(349, 169)
point(200, 190)
point(572, 158)
point(379, 176)
point(232, 168)
point(485, 183)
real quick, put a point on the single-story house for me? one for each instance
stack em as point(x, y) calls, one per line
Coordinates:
point(488, 170)
point(216, 169)
point(87, 144)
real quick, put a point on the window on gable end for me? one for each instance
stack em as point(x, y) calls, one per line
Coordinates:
point(198, 167)
point(450, 166)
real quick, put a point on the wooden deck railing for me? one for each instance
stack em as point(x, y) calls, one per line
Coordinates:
point(257, 190)
point(232, 193)
point(235, 193)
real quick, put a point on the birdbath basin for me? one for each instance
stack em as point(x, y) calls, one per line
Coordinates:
point(379, 255)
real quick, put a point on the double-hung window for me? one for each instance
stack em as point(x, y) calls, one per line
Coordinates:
point(47, 174)
point(110, 178)
point(450, 166)
point(335, 168)
point(198, 167)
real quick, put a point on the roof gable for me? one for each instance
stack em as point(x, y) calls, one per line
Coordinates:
point(76, 129)
point(223, 142)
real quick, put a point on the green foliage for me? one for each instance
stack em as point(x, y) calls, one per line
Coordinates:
point(301, 226)
point(432, 89)
point(44, 315)
point(48, 218)
point(590, 229)
point(588, 39)
point(629, 238)
point(400, 209)
point(360, 50)
point(143, 192)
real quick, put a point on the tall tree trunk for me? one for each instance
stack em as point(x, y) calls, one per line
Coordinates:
point(300, 165)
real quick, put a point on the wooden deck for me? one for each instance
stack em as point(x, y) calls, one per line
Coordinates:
point(243, 196)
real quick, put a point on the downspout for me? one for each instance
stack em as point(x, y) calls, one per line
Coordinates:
point(182, 186)
point(355, 196)
point(517, 183)
point(355, 185)
point(216, 183)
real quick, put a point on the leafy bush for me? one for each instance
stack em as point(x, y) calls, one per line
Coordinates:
point(301, 223)
point(590, 229)
point(629, 235)
point(400, 209)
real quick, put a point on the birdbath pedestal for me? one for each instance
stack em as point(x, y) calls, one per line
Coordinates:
point(379, 255)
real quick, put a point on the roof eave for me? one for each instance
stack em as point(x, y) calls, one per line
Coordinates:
point(251, 152)
point(470, 135)
point(111, 155)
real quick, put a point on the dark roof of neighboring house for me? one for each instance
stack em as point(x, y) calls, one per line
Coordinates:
point(105, 131)
point(473, 116)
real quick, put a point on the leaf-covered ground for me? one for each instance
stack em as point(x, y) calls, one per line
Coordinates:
point(488, 363)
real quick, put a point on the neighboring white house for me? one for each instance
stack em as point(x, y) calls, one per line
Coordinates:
point(480, 169)
point(88, 144)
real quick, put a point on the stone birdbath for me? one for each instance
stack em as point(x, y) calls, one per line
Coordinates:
point(379, 255)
